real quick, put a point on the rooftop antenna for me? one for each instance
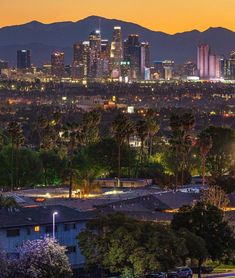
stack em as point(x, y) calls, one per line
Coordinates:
point(100, 24)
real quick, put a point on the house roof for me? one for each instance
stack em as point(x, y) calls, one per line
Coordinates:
point(41, 216)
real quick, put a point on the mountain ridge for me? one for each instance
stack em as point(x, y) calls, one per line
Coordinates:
point(44, 37)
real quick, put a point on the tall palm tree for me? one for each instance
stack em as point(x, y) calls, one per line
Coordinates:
point(205, 144)
point(153, 127)
point(142, 132)
point(119, 131)
point(70, 139)
point(17, 138)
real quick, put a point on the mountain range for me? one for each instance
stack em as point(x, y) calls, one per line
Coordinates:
point(42, 39)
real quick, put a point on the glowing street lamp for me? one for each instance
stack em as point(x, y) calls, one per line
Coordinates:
point(53, 220)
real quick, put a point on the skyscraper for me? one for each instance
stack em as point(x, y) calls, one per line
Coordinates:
point(144, 59)
point(57, 63)
point(23, 59)
point(105, 58)
point(95, 67)
point(232, 65)
point(116, 52)
point(214, 66)
point(132, 54)
point(81, 53)
point(203, 53)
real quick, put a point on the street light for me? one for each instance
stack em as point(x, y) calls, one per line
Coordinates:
point(53, 220)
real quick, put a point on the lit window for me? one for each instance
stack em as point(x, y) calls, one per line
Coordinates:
point(37, 229)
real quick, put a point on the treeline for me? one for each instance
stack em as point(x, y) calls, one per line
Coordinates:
point(75, 154)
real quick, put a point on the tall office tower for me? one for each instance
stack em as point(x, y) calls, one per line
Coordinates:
point(57, 63)
point(159, 70)
point(105, 58)
point(116, 52)
point(232, 65)
point(203, 53)
point(132, 55)
point(81, 52)
point(23, 59)
point(168, 66)
point(144, 60)
point(95, 66)
point(214, 66)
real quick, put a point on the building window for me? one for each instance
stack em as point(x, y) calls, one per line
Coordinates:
point(69, 226)
point(37, 229)
point(71, 249)
point(49, 229)
point(13, 232)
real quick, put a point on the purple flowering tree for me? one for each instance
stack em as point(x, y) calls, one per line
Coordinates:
point(43, 258)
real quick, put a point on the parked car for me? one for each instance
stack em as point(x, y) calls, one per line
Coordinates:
point(204, 269)
point(157, 275)
point(180, 272)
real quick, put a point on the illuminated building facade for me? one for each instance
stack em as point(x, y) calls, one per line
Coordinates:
point(116, 52)
point(57, 63)
point(203, 53)
point(81, 57)
point(144, 60)
point(214, 66)
point(132, 55)
point(95, 65)
point(23, 59)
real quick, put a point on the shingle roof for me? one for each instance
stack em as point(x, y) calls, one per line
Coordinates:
point(41, 216)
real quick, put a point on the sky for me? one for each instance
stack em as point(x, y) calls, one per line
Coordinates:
point(170, 16)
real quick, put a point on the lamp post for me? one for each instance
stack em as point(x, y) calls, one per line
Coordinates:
point(53, 223)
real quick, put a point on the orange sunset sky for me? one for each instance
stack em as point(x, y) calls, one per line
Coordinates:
point(170, 16)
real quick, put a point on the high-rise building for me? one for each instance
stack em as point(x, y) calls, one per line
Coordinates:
point(168, 66)
point(214, 66)
point(81, 56)
point(203, 53)
point(232, 65)
point(116, 52)
point(105, 58)
point(23, 59)
point(144, 59)
point(57, 63)
point(95, 65)
point(132, 54)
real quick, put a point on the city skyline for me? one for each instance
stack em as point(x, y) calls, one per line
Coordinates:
point(152, 15)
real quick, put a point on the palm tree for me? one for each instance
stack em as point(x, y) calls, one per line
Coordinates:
point(205, 145)
point(8, 202)
point(120, 130)
point(142, 132)
point(153, 127)
point(16, 135)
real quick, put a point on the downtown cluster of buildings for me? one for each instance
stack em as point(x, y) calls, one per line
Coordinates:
point(98, 59)
point(214, 67)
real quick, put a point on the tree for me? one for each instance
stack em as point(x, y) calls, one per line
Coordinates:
point(151, 120)
point(205, 145)
point(221, 156)
point(127, 246)
point(181, 143)
point(87, 170)
point(142, 132)
point(215, 196)
point(196, 248)
point(42, 258)
point(16, 137)
point(30, 168)
point(120, 129)
point(53, 166)
point(207, 222)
